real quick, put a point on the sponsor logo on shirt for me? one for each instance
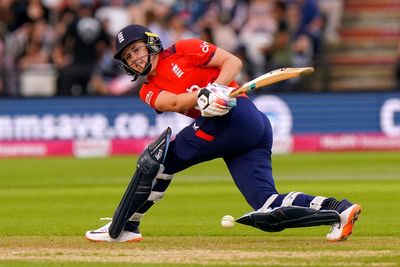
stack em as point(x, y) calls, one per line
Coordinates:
point(148, 97)
point(193, 88)
point(205, 47)
point(178, 72)
point(195, 126)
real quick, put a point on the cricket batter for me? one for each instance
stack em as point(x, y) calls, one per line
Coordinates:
point(194, 78)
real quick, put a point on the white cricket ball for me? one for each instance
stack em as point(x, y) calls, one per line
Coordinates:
point(227, 221)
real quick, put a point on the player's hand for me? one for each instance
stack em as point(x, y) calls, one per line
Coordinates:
point(213, 100)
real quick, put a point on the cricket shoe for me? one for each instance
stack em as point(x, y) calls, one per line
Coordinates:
point(348, 214)
point(102, 235)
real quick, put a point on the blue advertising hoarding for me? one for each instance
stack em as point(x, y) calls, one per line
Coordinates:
point(119, 118)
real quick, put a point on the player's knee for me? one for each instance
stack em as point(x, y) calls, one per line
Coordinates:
point(151, 160)
point(147, 165)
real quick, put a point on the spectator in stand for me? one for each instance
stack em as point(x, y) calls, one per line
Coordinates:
point(6, 14)
point(230, 12)
point(36, 75)
point(17, 13)
point(37, 11)
point(254, 30)
point(258, 32)
point(37, 48)
point(397, 75)
point(138, 10)
point(218, 20)
point(115, 13)
point(19, 18)
point(2, 59)
point(84, 42)
point(221, 24)
point(332, 11)
point(190, 13)
point(178, 29)
point(278, 54)
point(65, 16)
point(306, 24)
point(157, 21)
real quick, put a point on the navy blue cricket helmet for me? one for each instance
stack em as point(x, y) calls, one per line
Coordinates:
point(133, 33)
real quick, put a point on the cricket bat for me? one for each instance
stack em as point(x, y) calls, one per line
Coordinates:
point(271, 77)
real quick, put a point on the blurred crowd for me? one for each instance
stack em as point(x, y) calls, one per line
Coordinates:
point(65, 47)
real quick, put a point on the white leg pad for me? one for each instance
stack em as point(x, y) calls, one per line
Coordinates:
point(154, 195)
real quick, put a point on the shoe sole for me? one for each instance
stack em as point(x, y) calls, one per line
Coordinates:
point(348, 228)
point(103, 241)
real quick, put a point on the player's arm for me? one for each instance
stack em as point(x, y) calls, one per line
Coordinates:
point(167, 101)
point(229, 64)
point(212, 100)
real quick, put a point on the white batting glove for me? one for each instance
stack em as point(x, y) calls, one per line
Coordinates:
point(213, 100)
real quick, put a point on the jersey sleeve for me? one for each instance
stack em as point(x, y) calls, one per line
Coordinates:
point(149, 94)
point(197, 51)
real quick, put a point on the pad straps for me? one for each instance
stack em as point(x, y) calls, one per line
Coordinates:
point(316, 203)
point(268, 202)
point(289, 198)
point(159, 187)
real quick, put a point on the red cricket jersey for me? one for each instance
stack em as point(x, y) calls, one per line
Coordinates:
point(182, 68)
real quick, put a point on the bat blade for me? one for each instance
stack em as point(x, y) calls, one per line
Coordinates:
point(272, 77)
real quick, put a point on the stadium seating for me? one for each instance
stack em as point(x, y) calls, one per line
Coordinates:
point(365, 58)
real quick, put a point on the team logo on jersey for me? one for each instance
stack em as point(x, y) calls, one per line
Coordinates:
point(175, 69)
point(205, 47)
point(120, 37)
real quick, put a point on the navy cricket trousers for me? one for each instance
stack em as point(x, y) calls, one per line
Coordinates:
point(243, 138)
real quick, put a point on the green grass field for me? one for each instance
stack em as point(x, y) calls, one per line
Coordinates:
point(46, 205)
